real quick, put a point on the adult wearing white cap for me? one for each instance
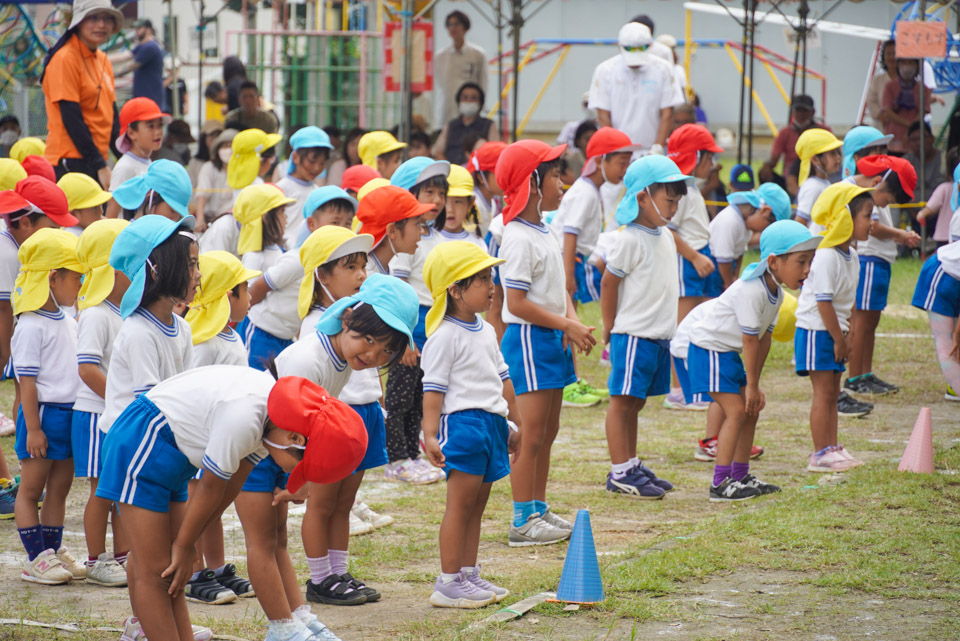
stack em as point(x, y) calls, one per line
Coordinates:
point(79, 93)
point(635, 92)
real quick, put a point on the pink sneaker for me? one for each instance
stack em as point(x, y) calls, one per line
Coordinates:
point(8, 426)
point(845, 453)
point(605, 357)
point(828, 460)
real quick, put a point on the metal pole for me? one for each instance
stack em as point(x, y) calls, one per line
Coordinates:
point(406, 17)
point(751, 25)
point(743, 78)
point(804, 10)
point(516, 22)
point(503, 113)
point(173, 54)
point(201, 102)
point(923, 140)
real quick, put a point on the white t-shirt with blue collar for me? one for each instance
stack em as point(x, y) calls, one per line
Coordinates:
point(833, 278)
point(729, 236)
point(314, 358)
point(746, 307)
point(225, 348)
point(44, 345)
point(98, 327)
point(534, 263)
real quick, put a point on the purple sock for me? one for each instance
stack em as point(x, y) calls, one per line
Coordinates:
point(52, 537)
point(32, 538)
point(740, 470)
point(720, 472)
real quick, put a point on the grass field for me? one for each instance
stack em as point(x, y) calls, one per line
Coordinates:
point(869, 554)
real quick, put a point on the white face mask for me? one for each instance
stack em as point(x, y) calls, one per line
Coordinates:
point(225, 153)
point(469, 109)
point(655, 208)
point(8, 137)
point(700, 183)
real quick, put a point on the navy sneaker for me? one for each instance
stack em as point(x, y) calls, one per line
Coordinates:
point(7, 502)
point(634, 484)
point(663, 484)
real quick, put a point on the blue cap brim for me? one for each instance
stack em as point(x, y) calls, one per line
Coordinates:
point(332, 320)
point(134, 294)
point(131, 193)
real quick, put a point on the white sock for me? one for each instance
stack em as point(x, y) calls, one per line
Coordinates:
point(635, 461)
point(304, 615)
point(319, 568)
point(619, 470)
point(286, 628)
point(448, 578)
point(469, 570)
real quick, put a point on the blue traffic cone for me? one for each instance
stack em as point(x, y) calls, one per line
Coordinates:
point(580, 581)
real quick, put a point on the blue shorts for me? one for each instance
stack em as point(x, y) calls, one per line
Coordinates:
point(420, 331)
point(536, 358)
point(87, 442)
point(475, 442)
point(8, 373)
point(715, 372)
point(692, 284)
point(262, 346)
point(588, 280)
point(55, 419)
point(683, 377)
point(937, 291)
point(493, 248)
point(372, 416)
point(141, 463)
point(873, 285)
point(640, 366)
point(264, 477)
point(813, 350)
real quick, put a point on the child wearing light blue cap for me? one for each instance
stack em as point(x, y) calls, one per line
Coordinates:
point(328, 205)
point(736, 227)
point(860, 142)
point(164, 189)
point(739, 322)
point(426, 179)
point(310, 151)
point(370, 329)
point(639, 299)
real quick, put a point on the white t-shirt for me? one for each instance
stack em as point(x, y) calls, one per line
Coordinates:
point(496, 235)
point(364, 385)
point(680, 343)
point(692, 222)
point(872, 246)
point(409, 267)
point(611, 194)
point(534, 263)
point(833, 277)
point(729, 236)
point(314, 358)
point(225, 348)
point(954, 231)
point(807, 195)
point(222, 234)
point(604, 243)
point(298, 189)
point(581, 214)
point(949, 257)
point(129, 166)
point(212, 183)
point(9, 264)
point(44, 345)
point(486, 210)
point(217, 415)
point(463, 234)
point(97, 327)
point(746, 307)
point(145, 352)
point(646, 261)
point(277, 312)
point(634, 97)
point(463, 362)
point(262, 260)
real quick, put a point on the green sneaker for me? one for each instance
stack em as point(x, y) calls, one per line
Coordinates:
point(600, 392)
point(573, 396)
point(950, 395)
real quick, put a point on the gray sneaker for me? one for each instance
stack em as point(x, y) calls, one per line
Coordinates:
point(473, 576)
point(536, 531)
point(460, 593)
point(106, 571)
point(556, 521)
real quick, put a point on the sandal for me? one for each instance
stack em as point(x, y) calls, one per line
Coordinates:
point(231, 580)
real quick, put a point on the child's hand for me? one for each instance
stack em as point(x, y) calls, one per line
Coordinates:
point(605, 336)
point(285, 495)
point(703, 265)
point(755, 400)
point(841, 349)
point(181, 567)
point(910, 238)
point(409, 357)
point(36, 444)
point(572, 289)
point(434, 454)
point(513, 445)
point(581, 336)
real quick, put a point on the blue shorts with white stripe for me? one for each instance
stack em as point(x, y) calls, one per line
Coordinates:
point(715, 372)
point(536, 358)
point(640, 366)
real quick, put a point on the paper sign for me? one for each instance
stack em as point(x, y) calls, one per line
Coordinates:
point(917, 39)
point(421, 41)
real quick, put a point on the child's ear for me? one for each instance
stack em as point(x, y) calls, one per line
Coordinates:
point(876, 180)
point(454, 292)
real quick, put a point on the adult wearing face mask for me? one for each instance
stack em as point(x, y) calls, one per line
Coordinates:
point(460, 136)
point(634, 91)
point(147, 64)
point(901, 103)
point(802, 112)
point(214, 196)
point(457, 63)
point(9, 134)
point(176, 144)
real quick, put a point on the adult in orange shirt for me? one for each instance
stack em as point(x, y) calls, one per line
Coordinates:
point(79, 93)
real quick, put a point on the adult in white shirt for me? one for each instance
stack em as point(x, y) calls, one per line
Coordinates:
point(454, 65)
point(634, 91)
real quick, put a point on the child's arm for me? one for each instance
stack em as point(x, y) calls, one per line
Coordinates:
point(513, 414)
point(93, 378)
point(258, 290)
point(701, 263)
point(727, 273)
point(570, 261)
point(609, 299)
point(906, 237)
point(30, 406)
point(753, 398)
point(6, 331)
point(432, 404)
point(829, 316)
point(577, 332)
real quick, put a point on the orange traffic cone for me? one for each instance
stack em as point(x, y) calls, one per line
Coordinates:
point(918, 457)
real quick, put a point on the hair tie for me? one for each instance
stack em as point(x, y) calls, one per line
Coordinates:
point(189, 235)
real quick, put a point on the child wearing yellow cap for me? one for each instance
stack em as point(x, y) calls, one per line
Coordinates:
point(468, 397)
point(381, 151)
point(85, 198)
point(44, 346)
point(820, 157)
point(261, 212)
point(462, 220)
point(823, 315)
point(98, 325)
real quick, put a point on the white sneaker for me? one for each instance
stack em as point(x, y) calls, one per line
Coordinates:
point(363, 512)
point(201, 633)
point(536, 531)
point(107, 572)
point(77, 569)
point(46, 569)
point(132, 630)
point(556, 521)
point(358, 526)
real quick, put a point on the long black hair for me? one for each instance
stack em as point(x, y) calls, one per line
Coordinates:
point(363, 320)
point(168, 275)
point(439, 182)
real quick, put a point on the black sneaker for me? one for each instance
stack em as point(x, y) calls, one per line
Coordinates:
point(334, 591)
point(876, 380)
point(856, 387)
point(866, 385)
point(232, 581)
point(731, 490)
point(849, 406)
point(206, 589)
point(371, 594)
point(765, 488)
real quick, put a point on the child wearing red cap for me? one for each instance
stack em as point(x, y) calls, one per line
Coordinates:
point(541, 321)
point(894, 180)
point(392, 215)
point(163, 437)
point(489, 201)
point(141, 134)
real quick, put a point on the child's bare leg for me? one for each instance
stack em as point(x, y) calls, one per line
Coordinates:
point(338, 528)
point(258, 517)
point(535, 409)
point(942, 327)
point(715, 418)
point(734, 418)
point(685, 305)
point(121, 546)
point(834, 416)
point(462, 493)
point(95, 516)
point(59, 481)
point(4, 468)
point(543, 456)
point(321, 503)
point(621, 426)
point(211, 546)
point(33, 477)
point(748, 430)
point(291, 585)
point(823, 409)
point(471, 542)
